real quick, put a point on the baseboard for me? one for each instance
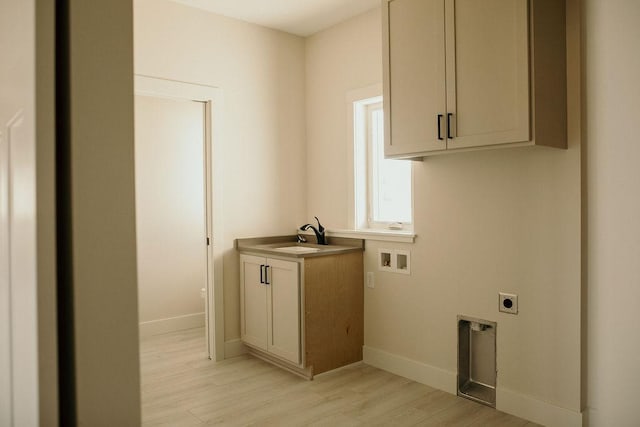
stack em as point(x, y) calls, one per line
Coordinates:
point(233, 348)
point(535, 410)
point(171, 324)
point(412, 369)
point(507, 401)
point(588, 417)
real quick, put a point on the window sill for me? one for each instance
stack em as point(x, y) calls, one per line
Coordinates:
point(400, 236)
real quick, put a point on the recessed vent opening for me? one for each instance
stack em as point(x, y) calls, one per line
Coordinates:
point(477, 360)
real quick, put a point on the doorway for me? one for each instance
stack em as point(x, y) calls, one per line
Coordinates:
point(177, 210)
point(170, 214)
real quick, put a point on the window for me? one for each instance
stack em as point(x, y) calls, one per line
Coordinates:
point(383, 187)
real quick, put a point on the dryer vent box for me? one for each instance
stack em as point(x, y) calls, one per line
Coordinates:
point(477, 360)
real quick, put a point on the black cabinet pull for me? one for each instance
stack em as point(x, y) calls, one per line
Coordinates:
point(261, 276)
point(266, 275)
point(439, 130)
point(449, 125)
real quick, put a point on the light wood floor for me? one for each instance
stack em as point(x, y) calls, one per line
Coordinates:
point(180, 387)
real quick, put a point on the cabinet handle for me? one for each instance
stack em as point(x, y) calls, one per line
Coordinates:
point(449, 125)
point(266, 275)
point(261, 276)
point(439, 130)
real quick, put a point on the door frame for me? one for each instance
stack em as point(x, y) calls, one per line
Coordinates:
point(212, 98)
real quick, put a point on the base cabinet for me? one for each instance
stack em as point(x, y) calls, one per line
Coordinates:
point(305, 314)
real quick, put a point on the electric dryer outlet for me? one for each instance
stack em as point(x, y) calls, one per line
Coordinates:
point(508, 303)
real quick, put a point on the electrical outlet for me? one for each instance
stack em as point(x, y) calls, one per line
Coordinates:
point(203, 293)
point(371, 281)
point(508, 303)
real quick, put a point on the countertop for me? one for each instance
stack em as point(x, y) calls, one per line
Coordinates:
point(287, 246)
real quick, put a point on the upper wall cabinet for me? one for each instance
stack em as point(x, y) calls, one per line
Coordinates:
point(463, 74)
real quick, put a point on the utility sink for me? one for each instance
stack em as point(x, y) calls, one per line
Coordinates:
point(297, 249)
point(286, 246)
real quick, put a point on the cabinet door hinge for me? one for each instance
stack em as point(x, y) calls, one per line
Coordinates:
point(208, 241)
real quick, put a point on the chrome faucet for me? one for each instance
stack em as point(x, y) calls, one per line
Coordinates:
point(320, 237)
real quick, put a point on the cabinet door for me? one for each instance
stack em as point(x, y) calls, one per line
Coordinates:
point(414, 76)
point(487, 72)
point(284, 310)
point(253, 302)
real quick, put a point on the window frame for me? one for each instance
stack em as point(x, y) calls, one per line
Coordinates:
point(363, 152)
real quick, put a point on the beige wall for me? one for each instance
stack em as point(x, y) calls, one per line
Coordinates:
point(612, 67)
point(489, 221)
point(261, 73)
point(102, 216)
point(46, 203)
point(338, 60)
point(170, 227)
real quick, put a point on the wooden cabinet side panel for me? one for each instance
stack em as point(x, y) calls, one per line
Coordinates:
point(549, 72)
point(334, 311)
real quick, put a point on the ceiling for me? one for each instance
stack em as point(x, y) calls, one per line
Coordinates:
point(300, 17)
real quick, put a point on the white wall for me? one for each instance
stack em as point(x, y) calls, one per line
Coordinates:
point(612, 67)
point(19, 219)
point(170, 217)
point(489, 221)
point(261, 73)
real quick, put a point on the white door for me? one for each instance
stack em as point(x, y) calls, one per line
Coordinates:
point(18, 278)
point(253, 301)
point(170, 213)
point(283, 309)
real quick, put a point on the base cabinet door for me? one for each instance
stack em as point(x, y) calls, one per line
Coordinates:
point(270, 306)
point(283, 310)
point(253, 301)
